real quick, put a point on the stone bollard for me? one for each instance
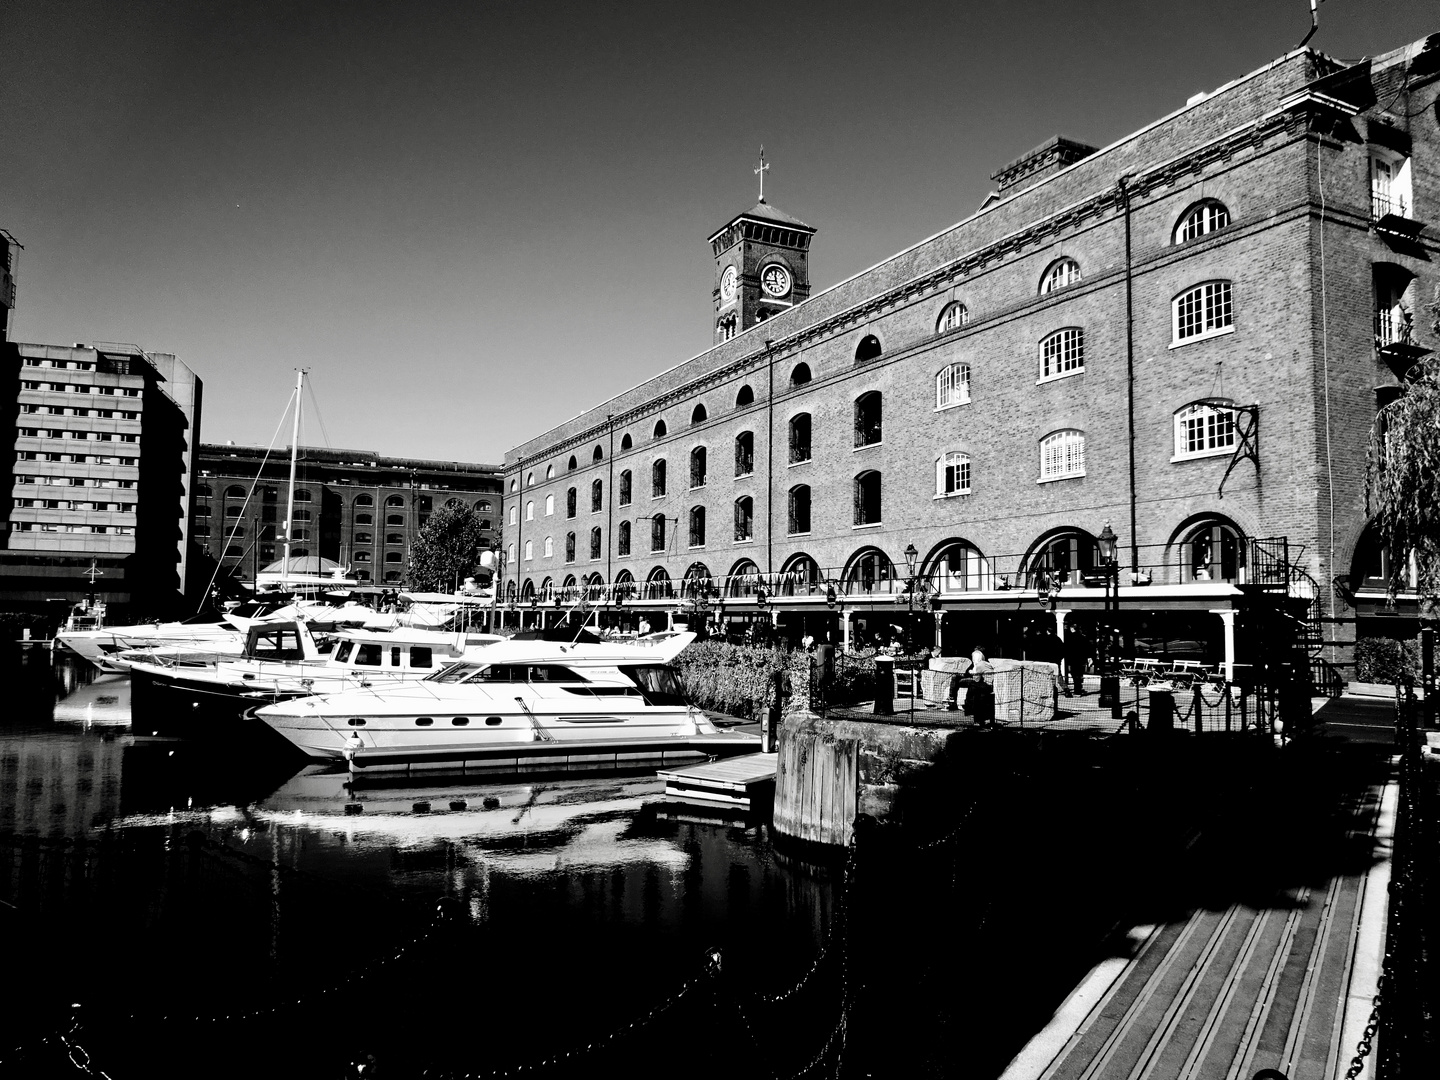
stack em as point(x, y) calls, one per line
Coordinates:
point(884, 686)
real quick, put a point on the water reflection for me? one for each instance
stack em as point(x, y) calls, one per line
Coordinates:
point(213, 881)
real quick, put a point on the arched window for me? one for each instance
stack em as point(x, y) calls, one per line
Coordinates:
point(868, 349)
point(1373, 564)
point(695, 580)
point(868, 569)
point(597, 454)
point(595, 542)
point(234, 491)
point(746, 396)
point(952, 317)
point(657, 533)
point(1203, 429)
point(202, 491)
point(549, 504)
point(800, 574)
point(232, 511)
point(1211, 552)
point(364, 500)
point(699, 416)
point(394, 538)
point(514, 486)
point(1204, 217)
point(569, 547)
point(597, 496)
point(625, 486)
point(1062, 455)
point(799, 438)
point(549, 547)
point(624, 585)
point(657, 478)
point(1063, 557)
point(527, 591)
point(952, 386)
point(369, 519)
point(529, 479)
point(660, 429)
point(800, 375)
point(362, 575)
point(697, 467)
point(626, 442)
point(234, 552)
point(1394, 306)
point(658, 586)
point(745, 518)
point(570, 503)
point(395, 500)
point(952, 474)
point(697, 526)
point(622, 539)
point(392, 577)
point(483, 507)
point(235, 532)
point(510, 558)
point(867, 498)
point(743, 579)
point(302, 495)
point(529, 509)
point(514, 514)
point(867, 419)
point(1206, 310)
point(572, 464)
point(799, 510)
point(744, 454)
point(364, 538)
point(959, 567)
point(550, 472)
point(1059, 274)
point(725, 327)
point(1062, 353)
point(529, 550)
point(395, 519)
point(302, 514)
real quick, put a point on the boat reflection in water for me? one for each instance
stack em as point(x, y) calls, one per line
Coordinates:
point(105, 702)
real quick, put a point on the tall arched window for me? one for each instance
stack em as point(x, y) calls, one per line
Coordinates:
point(549, 504)
point(746, 396)
point(1204, 217)
point(550, 472)
point(959, 567)
point(699, 416)
point(867, 419)
point(626, 481)
point(1211, 551)
point(569, 547)
point(597, 454)
point(799, 510)
point(626, 442)
point(1059, 274)
point(744, 454)
point(952, 474)
point(1062, 556)
point(697, 526)
point(800, 375)
point(657, 533)
point(570, 499)
point(745, 518)
point(622, 539)
point(867, 570)
point(549, 547)
point(868, 349)
point(657, 583)
point(659, 429)
point(572, 464)
point(867, 498)
point(952, 386)
point(697, 467)
point(529, 479)
point(1204, 429)
point(597, 496)
point(952, 317)
point(799, 438)
point(595, 542)
point(529, 509)
point(529, 550)
point(657, 479)
point(1062, 455)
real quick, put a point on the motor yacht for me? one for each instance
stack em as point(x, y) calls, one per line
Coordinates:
point(519, 705)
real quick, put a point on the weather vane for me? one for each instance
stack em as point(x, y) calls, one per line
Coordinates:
point(760, 171)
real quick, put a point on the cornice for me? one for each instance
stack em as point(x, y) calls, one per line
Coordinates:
point(1296, 113)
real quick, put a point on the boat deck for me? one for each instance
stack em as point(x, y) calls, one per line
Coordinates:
point(733, 782)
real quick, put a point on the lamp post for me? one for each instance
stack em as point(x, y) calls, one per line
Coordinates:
point(912, 587)
point(1109, 673)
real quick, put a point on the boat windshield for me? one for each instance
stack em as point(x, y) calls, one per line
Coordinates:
point(660, 684)
point(510, 673)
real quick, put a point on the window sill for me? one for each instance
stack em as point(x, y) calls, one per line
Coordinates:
point(805, 533)
point(622, 506)
point(696, 487)
point(1068, 476)
point(1180, 343)
point(747, 540)
point(1063, 375)
point(867, 446)
point(952, 405)
point(949, 495)
point(745, 475)
point(656, 498)
point(695, 547)
point(869, 525)
point(1201, 455)
point(806, 461)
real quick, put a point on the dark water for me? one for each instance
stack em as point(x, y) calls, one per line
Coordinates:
point(174, 910)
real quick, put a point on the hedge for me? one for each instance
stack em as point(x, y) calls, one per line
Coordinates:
point(1386, 660)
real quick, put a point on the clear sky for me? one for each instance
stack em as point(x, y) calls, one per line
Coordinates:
point(472, 221)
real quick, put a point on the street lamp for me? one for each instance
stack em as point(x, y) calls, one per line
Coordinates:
point(912, 586)
point(1109, 673)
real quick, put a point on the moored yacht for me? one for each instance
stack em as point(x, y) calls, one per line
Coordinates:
point(521, 704)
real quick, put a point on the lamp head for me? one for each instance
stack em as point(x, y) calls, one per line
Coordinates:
point(1106, 542)
point(910, 556)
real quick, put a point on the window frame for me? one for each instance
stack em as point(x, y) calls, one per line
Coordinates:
point(952, 386)
point(1201, 211)
point(1204, 413)
point(953, 316)
point(1060, 351)
point(1054, 437)
point(1064, 267)
point(946, 470)
point(1206, 303)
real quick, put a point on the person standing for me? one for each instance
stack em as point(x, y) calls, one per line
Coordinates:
point(1077, 654)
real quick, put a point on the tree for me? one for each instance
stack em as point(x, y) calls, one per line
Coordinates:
point(1402, 475)
point(447, 549)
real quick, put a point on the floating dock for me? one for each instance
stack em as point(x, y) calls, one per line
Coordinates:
point(734, 782)
point(556, 756)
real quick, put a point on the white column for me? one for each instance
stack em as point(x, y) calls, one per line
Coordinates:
point(1227, 616)
point(845, 630)
point(1060, 614)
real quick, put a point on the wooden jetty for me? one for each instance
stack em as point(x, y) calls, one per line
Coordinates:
point(736, 782)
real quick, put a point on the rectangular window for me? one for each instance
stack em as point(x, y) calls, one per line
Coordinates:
point(1204, 310)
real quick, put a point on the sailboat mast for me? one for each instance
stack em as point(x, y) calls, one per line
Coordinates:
point(290, 502)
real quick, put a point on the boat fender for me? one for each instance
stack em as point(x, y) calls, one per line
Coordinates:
point(491, 803)
point(351, 745)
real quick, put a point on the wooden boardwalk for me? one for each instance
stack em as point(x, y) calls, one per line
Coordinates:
point(731, 782)
point(1226, 992)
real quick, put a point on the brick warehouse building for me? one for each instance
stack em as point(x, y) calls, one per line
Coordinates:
point(353, 507)
point(1184, 335)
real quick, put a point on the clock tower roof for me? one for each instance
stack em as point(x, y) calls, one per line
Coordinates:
point(763, 211)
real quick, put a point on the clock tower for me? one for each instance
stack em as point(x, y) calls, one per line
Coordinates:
point(762, 265)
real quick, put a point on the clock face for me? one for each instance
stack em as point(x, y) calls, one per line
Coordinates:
point(775, 279)
point(727, 284)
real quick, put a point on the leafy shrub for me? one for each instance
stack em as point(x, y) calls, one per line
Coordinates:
point(734, 679)
point(1386, 660)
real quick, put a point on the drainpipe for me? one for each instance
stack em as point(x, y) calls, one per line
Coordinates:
point(1122, 185)
point(610, 505)
point(770, 464)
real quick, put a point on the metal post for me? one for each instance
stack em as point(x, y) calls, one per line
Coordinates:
point(1427, 672)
